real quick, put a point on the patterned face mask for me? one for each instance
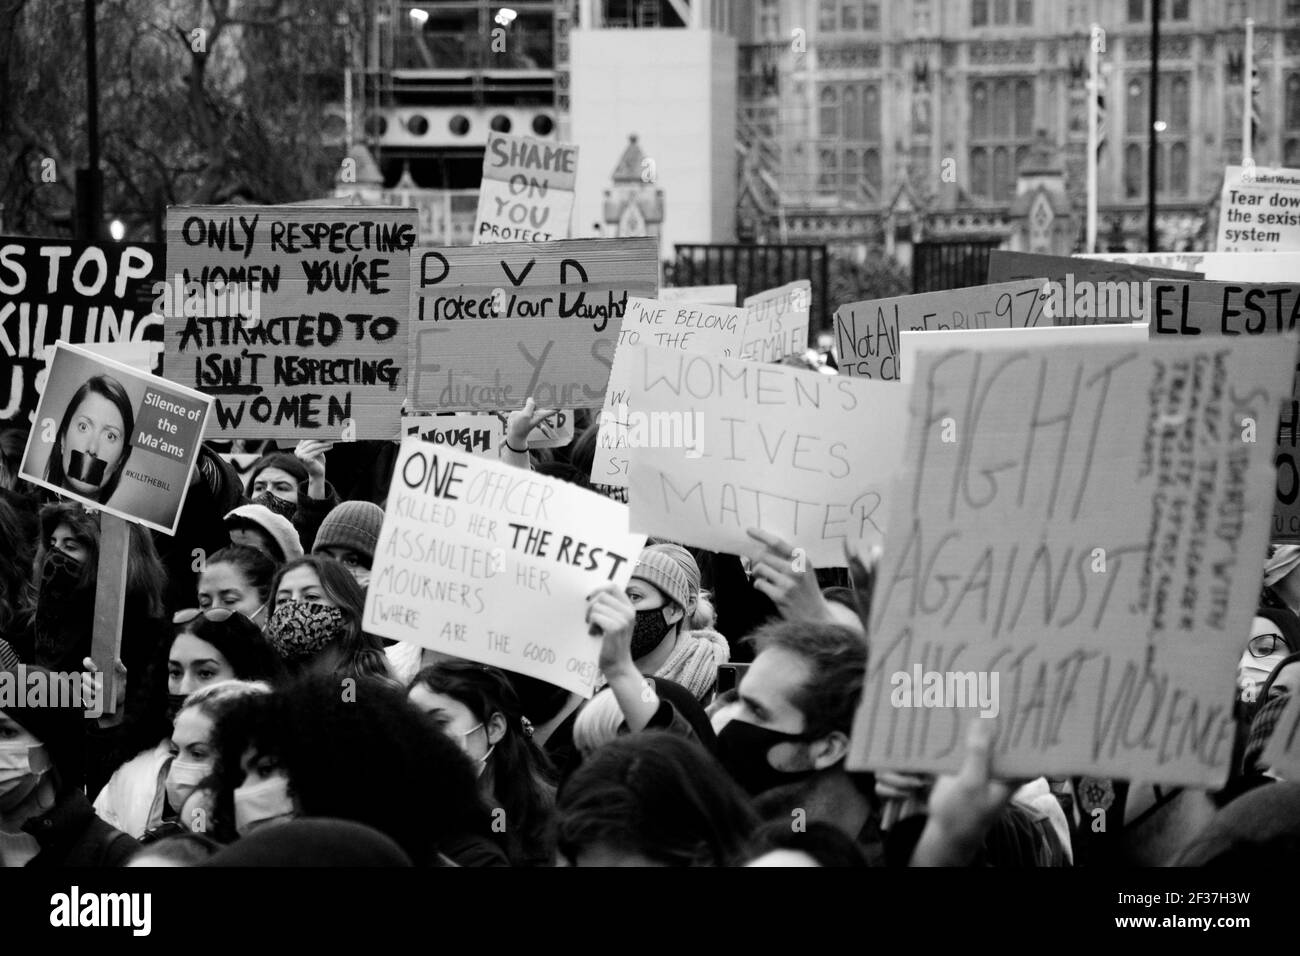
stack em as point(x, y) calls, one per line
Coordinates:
point(285, 509)
point(299, 630)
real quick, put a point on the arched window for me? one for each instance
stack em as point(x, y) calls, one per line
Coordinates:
point(871, 113)
point(1180, 107)
point(1024, 108)
point(829, 112)
point(1003, 183)
point(852, 115)
point(979, 172)
point(1133, 172)
point(1135, 109)
point(871, 170)
point(1002, 108)
point(1293, 101)
point(1178, 169)
point(980, 126)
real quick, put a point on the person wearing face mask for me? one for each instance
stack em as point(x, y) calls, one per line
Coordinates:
point(349, 535)
point(786, 737)
point(1274, 633)
point(294, 486)
point(475, 705)
point(45, 818)
point(308, 751)
point(209, 647)
point(672, 637)
point(315, 622)
point(194, 756)
point(238, 579)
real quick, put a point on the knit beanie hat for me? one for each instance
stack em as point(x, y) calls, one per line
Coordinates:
point(282, 532)
point(353, 524)
point(671, 569)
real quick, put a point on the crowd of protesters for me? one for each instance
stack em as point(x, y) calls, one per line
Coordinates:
point(256, 722)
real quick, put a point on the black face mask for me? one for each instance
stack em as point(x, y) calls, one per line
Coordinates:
point(743, 750)
point(285, 509)
point(648, 632)
point(60, 576)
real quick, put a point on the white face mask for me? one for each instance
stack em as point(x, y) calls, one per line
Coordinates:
point(182, 777)
point(259, 802)
point(21, 768)
point(1252, 672)
point(361, 576)
point(480, 763)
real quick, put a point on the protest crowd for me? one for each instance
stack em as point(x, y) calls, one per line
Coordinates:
point(257, 721)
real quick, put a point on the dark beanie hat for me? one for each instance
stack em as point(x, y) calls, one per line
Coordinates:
point(1288, 625)
point(352, 524)
point(282, 460)
point(313, 842)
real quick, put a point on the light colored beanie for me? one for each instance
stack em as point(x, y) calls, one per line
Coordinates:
point(280, 528)
point(671, 569)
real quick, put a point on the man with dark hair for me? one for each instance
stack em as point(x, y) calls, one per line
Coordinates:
point(786, 737)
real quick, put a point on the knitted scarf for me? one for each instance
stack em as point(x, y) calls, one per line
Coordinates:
point(694, 661)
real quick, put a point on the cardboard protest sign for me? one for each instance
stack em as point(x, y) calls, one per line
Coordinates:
point(910, 343)
point(1243, 308)
point(527, 191)
point(293, 317)
point(482, 433)
point(1217, 266)
point(63, 290)
point(473, 433)
point(719, 445)
point(554, 311)
point(115, 439)
point(1259, 210)
point(684, 326)
point(491, 563)
point(867, 332)
point(1282, 754)
point(1076, 539)
point(776, 322)
point(1083, 291)
point(712, 294)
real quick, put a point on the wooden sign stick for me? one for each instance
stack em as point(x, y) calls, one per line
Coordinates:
point(110, 602)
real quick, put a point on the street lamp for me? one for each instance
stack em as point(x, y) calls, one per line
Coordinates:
point(419, 17)
point(117, 229)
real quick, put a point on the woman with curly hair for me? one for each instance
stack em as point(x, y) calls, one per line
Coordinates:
point(476, 706)
point(315, 622)
point(364, 754)
point(652, 799)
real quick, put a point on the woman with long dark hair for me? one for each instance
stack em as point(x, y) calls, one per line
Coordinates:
point(478, 708)
point(93, 442)
point(315, 622)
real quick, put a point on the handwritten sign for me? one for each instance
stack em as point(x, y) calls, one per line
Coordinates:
point(1076, 539)
point(527, 191)
point(555, 310)
point(1217, 266)
point(1083, 291)
point(62, 290)
point(114, 438)
point(867, 332)
point(494, 564)
point(1241, 308)
point(912, 343)
point(293, 317)
point(1259, 210)
point(481, 433)
point(685, 326)
point(719, 445)
point(712, 294)
point(776, 322)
